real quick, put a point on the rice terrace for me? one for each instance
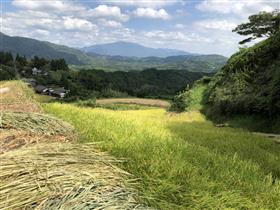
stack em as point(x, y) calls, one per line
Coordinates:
point(140, 105)
point(154, 153)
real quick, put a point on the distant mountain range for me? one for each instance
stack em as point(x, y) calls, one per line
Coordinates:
point(128, 49)
point(81, 59)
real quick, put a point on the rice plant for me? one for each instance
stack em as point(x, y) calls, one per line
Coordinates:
point(182, 160)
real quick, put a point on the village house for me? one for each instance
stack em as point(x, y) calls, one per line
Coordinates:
point(29, 81)
point(41, 89)
point(59, 92)
point(36, 71)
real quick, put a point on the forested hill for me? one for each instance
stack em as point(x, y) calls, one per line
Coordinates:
point(250, 81)
point(32, 47)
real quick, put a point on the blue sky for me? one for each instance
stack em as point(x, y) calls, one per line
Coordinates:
point(200, 26)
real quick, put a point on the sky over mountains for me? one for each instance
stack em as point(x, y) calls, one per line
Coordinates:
point(199, 26)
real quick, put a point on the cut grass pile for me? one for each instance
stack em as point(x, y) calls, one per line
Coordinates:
point(182, 160)
point(35, 123)
point(18, 98)
point(42, 168)
point(62, 176)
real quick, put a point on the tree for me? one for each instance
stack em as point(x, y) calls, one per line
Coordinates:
point(39, 62)
point(22, 61)
point(264, 24)
point(59, 64)
point(6, 58)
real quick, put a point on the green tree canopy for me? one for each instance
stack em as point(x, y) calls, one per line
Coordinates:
point(260, 25)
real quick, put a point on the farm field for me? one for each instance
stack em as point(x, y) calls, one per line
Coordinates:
point(138, 101)
point(182, 161)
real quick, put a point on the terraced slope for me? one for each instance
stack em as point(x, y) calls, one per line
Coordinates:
point(182, 160)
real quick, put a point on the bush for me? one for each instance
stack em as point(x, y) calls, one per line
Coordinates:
point(88, 103)
point(178, 103)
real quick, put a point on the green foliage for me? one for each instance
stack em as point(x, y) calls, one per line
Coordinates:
point(6, 58)
point(191, 98)
point(38, 62)
point(182, 161)
point(49, 51)
point(59, 64)
point(260, 25)
point(21, 61)
point(87, 103)
point(249, 82)
point(7, 73)
point(178, 103)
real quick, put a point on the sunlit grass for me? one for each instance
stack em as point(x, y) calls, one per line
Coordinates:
point(183, 161)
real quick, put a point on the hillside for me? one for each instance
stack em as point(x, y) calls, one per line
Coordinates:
point(195, 63)
point(182, 161)
point(128, 49)
point(249, 83)
point(32, 47)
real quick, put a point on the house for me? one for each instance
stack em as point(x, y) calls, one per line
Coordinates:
point(29, 81)
point(58, 92)
point(36, 71)
point(41, 89)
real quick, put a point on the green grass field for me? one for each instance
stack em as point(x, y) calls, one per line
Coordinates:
point(182, 161)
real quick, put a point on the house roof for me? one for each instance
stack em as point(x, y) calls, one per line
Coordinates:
point(60, 90)
point(40, 88)
point(28, 79)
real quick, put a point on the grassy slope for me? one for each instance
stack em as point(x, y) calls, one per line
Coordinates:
point(183, 161)
point(249, 83)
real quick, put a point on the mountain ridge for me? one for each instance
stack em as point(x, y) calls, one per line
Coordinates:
point(131, 49)
point(32, 47)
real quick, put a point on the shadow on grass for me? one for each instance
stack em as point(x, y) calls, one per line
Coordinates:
point(231, 142)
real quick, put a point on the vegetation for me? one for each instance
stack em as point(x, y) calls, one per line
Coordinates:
point(42, 168)
point(264, 24)
point(86, 84)
point(182, 160)
point(249, 83)
point(31, 47)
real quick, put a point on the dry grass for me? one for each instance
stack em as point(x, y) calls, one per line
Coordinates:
point(36, 123)
point(14, 139)
point(19, 129)
point(17, 97)
point(140, 101)
point(62, 176)
point(41, 169)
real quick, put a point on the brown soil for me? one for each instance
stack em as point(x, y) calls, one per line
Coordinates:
point(140, 101)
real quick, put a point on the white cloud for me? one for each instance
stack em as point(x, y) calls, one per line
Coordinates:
point(143, 3)
point(179, 26)
point(242, 8)
point(216, 24)
point(109, 23)
point(174, 36)
point(77, 24)
point(151, 13)
point(108, 11)
point(50, 6)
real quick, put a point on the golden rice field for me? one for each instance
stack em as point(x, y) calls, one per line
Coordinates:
point(182, 161)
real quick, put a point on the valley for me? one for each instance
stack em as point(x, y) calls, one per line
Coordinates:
point(122, 125)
